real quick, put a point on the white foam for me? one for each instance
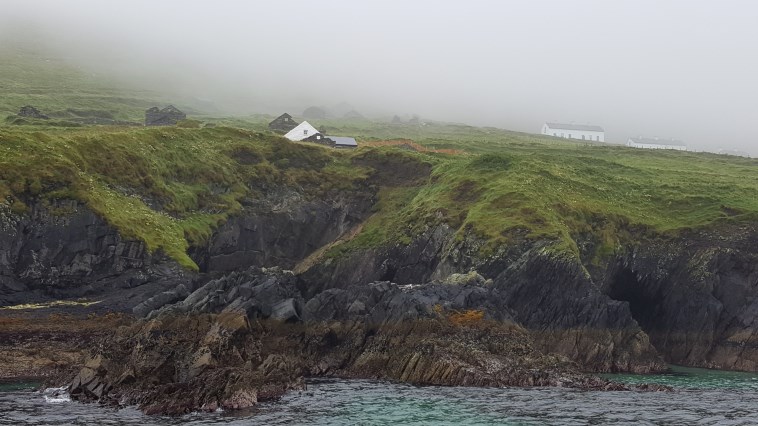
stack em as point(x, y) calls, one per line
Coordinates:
point(56, 395)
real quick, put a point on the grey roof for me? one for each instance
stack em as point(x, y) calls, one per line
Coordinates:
point(657, 141)
point(343, 140)
point(585, 127)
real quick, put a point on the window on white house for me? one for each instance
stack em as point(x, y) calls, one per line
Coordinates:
point(582, 137)
point(555, 134)
point(305, 132)
point(597, 138)
point(569, 135)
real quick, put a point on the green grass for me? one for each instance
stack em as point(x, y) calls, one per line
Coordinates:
point(541, 187)
point(56, 88)
point(171, 187)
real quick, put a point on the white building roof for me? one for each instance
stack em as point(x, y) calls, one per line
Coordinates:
point(584, 127)
point(302, 131)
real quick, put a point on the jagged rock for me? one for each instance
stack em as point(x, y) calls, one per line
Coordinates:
point(258, 236)
point(161, 299)
point(524, 315)
point(62, 250)
point(91, 383)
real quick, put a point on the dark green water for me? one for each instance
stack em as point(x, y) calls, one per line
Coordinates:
point(694, 378)
point(703, 397)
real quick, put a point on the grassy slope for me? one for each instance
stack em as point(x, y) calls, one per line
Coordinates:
point(171, 186)
point(53, 85)
point(550, 187)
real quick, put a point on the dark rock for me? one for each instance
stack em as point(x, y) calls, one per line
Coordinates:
point(64, 251)
point(280, 230)
point(286, 310)
point(167, 116)
point(31, 112)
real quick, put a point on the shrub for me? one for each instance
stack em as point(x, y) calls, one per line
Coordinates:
point(466, 318)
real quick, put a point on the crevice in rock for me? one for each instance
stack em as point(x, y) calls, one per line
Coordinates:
point(626, 286)
point(389, 274)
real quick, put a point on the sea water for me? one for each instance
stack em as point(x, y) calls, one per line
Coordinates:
point(702, 397)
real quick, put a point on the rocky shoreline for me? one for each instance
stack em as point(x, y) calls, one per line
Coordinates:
point(135, 328)
point(250, 337)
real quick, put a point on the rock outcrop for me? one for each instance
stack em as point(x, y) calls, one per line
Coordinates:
point(280, 229)
point(63, 251)
point(167, 116)
point(31, 112)
point(250, 336)
point(688, 300)
point(435, 310)
point(695, 296)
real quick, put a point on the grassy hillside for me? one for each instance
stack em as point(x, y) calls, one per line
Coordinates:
point(546, 189)
point(54, 86)
point(170, 187)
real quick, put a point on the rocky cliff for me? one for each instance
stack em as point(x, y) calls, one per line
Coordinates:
point(251, 335)
point(64, 251)
point(440, 306)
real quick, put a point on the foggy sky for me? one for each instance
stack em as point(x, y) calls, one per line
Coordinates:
point(680, 69)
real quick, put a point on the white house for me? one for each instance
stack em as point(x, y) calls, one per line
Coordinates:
point(302, 131)
point(584, 132)
point(656, 143)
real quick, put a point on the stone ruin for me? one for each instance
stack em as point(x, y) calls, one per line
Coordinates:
point(31, 112)
point(168, 116)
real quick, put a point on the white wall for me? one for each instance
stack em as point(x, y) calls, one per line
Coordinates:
point(574, 134)
point(633, 144)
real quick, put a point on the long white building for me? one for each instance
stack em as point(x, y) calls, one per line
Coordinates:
point(656, 143)
point(584, 132)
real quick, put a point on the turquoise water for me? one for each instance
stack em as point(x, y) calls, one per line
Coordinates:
point(694, 378)
point(704, 397)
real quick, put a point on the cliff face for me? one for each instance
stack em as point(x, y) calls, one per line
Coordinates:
point(413, 312)
point(689, 299)
point(552, 296)
point(694, 295)
point(280, 230)
point(64, 251)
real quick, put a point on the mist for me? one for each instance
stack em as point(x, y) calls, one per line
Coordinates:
point(672, 69)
